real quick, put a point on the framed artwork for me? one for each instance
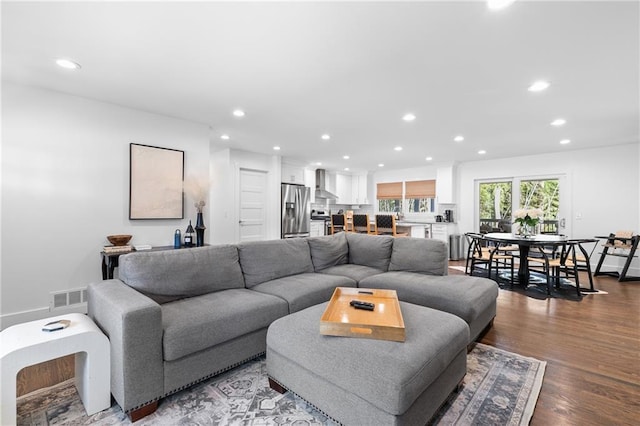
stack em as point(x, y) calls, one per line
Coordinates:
point(155, 182)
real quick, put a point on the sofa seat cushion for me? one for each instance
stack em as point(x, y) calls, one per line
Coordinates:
point(355, 272)
point(169, 275)
point(464, 296)
point(421, 255)
point(197, 323)
point(263, 261)
point(330, 250)
point(389, 375)
point(369, 250)
point(304, 290)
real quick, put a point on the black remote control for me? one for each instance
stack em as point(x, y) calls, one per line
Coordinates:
point(358, 304)
point(364, 307)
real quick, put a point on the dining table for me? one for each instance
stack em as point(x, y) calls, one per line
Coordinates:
point(525, 243)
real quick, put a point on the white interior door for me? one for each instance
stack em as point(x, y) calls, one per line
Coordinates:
point(253, 202)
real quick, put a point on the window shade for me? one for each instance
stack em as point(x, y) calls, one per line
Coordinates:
point(389, 191)
point(420, 189)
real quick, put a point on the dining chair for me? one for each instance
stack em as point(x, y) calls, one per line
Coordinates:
point(338, 222)
point(552, 261)
point(386, 225)
point(361, 224)
point(349, 221)
point(479, 254)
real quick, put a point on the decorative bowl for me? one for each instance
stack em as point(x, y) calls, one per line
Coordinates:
point(119, 240)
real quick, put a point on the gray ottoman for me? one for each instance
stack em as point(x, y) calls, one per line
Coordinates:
point(364, 381)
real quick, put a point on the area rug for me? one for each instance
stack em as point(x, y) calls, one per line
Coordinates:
point(538, 285)
point(500, 388)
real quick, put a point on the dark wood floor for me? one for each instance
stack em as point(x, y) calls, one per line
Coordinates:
point(591, 346)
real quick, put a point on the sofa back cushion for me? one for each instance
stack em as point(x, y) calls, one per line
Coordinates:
point(370, 250)
point(421, 255)
point(263, 261)
point(170, 275)
point(328, 251)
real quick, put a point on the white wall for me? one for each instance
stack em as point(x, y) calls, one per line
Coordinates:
point(604, 187)
point(65, 186)
point(399, 175)
point(225, 170)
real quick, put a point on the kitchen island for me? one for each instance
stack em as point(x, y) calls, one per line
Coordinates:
point(414, 229)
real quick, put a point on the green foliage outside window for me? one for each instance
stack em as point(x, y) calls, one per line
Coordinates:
point(542, 194)
point(495, 200)
point(389, 206)
point(420, 205)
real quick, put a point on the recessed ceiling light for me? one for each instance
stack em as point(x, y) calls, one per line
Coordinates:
point(346, 157)
point(318, 164)
point(381, 165)
point(565, 141)
point(398, 148)
point(459, 138)
point(66, 63)
point(539, 86)
point(558, 122)
point(325, 137)
point(429, 158)
point(225, 137)
point(482, 152)
point(346, 169)
point(238, 113)
point(276, 148)
point(498, 4)
point(409, 117)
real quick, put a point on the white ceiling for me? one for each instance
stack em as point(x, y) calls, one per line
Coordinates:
point(350, 69)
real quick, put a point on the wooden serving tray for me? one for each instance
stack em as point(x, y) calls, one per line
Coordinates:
point(384, 322)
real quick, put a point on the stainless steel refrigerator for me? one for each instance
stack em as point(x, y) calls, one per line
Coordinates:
point(296, 216)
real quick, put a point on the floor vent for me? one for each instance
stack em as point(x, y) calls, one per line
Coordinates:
point(66, 298)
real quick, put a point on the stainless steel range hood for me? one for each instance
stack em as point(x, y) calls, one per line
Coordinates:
point(321, 189)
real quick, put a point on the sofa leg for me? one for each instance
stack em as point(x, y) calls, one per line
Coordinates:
point(143, 411)
point(276, 386)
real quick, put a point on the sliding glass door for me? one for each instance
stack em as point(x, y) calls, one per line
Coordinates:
point(498, 199)
point(495, 206)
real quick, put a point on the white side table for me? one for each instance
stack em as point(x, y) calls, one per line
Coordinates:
point(26, 344)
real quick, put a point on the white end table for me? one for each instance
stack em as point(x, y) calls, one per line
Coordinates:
point(26, 344)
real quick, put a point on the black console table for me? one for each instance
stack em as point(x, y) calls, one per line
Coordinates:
point(630, 244)
point(110, 260)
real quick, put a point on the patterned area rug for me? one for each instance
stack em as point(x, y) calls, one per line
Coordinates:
point(500, 388)
point(537, 288)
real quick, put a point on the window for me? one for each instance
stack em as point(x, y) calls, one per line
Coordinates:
point(420, 196)
point(543, 194)
point(497, 199)
point(389, 197)
point(495, 206)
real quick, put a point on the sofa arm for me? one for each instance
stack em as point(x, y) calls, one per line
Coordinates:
point(133, 324)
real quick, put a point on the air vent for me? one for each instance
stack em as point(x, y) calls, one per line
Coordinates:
point(68, 298)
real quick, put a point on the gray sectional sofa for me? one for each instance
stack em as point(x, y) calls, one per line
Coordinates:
point(177, 317)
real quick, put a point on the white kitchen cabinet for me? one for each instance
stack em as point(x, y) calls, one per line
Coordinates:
point(310, 181)
point(359, 189)
point(292, 173)
point(343, 189)
point(440, 232)
point(445, 185)
point(316, 228)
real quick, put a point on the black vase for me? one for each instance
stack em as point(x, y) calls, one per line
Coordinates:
point(200, 230)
